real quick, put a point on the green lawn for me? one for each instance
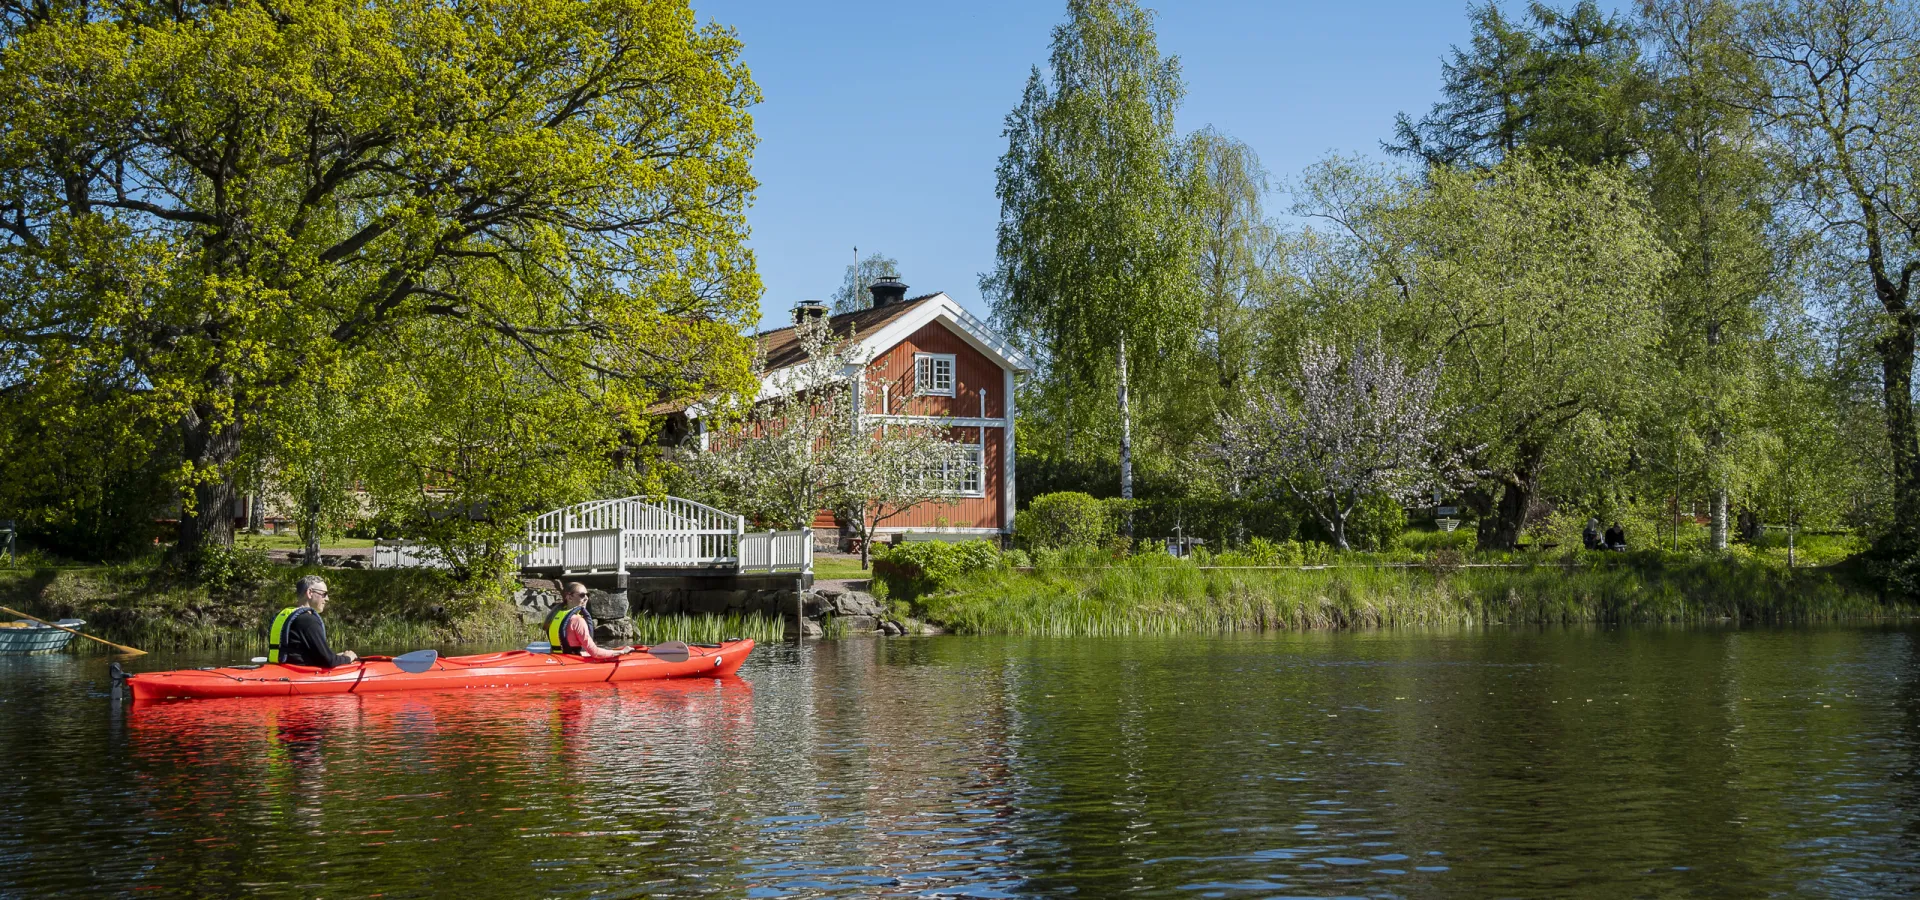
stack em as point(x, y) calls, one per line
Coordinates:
point(293, 542)
point(825, 567)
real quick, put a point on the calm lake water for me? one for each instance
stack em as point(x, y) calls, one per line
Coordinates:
point(1560, 763)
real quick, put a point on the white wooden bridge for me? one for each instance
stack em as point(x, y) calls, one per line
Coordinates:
point(637, 535)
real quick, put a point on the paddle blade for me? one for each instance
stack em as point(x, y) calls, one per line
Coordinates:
point(539, 647)
point(416, 662)
point(671, 651)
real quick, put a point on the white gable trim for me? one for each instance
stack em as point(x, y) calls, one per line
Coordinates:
point(937, 308)
point(944, 309)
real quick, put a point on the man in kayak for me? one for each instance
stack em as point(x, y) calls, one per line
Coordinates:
point(570, 626)
point(297, 635)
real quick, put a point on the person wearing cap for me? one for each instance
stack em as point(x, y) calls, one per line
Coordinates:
point(298, 636)
point(570, 627)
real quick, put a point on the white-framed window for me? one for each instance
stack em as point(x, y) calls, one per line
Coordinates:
point(933, 374)
point(960, 473)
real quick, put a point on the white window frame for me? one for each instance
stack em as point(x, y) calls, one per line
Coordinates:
point(926, 374)
point(962, 475)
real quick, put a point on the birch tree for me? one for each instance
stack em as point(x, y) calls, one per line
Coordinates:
point(1842, 96)
point(1094, 267)
point(1345, 428)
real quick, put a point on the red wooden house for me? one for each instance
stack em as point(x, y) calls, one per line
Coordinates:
point(958, 374)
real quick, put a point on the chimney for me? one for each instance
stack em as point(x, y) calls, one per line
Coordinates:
point(887, 290)
point(808, 309)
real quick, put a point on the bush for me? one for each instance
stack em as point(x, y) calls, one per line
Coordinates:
point(1015, 559)
point(1375, 524)
point(919, 568)
point(224, 569)
point(1221, 522)
point(1065, 519)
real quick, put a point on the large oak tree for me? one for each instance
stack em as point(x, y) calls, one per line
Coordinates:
point(525, 214)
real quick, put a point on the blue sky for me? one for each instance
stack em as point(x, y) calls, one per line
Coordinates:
point(881, 122)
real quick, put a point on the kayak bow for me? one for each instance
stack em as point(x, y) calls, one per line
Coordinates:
point(509, 669)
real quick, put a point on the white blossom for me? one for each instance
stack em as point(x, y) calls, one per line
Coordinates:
point(808, 448)
point(1346, 428)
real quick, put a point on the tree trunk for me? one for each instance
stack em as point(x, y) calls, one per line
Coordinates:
point(1718, 517)
point(1340, 532)
point(1126, 429)
point(310, 526)
point(1896, 348)
point(208, 520)
point(1126, 440)
point(1501, 530)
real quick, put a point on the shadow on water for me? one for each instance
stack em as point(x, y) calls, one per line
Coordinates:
point(1582, 762)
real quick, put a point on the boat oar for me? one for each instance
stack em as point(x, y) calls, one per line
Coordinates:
point(416, 662)
point(120, 647)
point(671, 651)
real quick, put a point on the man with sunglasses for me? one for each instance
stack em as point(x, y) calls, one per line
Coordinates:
point(298, 637)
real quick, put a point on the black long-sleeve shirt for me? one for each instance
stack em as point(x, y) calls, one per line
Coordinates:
point(306, 643)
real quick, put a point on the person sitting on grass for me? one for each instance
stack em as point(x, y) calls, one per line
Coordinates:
point(298, 636)
point(1590, 535)
point(1616, 537)
point(570, 627)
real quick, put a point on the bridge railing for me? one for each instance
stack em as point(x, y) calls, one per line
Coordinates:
point(671, 533)
point(772, 552)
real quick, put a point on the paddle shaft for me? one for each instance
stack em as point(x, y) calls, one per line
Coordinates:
point(120, 647)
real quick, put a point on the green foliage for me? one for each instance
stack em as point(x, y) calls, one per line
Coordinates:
point(370, 611)
point(695, 629)
point(1566, 81)
point(1064, 519)
point(1158, 595)
point(852, 294)
point(1262, 552)
point(1532, 288)
point(1095, 246)
point(524, 222)
point(918, 568)
point(227, 569)
point(80, 488)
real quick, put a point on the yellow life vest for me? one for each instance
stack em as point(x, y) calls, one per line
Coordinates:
point(277, 633)
point(557, 628)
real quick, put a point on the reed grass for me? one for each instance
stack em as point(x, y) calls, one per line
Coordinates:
point(1160, 596)
point(696, 629)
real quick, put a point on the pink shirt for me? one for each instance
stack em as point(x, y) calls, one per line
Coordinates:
point(579, 635)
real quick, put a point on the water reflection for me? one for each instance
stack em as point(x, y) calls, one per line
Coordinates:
point(1587, 762)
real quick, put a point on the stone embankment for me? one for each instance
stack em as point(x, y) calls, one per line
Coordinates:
point(844, 607)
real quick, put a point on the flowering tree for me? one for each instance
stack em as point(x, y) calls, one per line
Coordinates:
point(815, 445)
point(1362, 425)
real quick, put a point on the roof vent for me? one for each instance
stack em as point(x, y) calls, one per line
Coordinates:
point(887, 290)
point(808, 309)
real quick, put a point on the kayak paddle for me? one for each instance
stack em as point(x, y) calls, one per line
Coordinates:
point(120, 647)
point(416, 662)
point(671, 651)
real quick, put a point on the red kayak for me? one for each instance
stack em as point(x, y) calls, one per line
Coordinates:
point(513, 668)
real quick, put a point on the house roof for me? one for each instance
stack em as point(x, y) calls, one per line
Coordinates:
point(781, 347)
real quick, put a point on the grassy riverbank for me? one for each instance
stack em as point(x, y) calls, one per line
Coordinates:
point(136, 604)
point(1160, 595)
